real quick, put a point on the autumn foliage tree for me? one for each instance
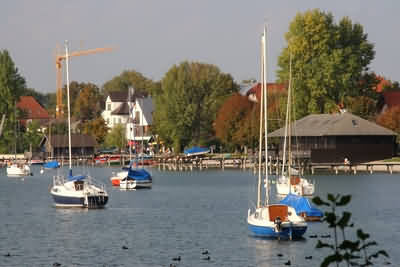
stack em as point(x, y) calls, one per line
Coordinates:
point(391, 119)
point(235, 124)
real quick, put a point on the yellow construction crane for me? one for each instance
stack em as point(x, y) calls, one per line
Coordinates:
point(59, 59)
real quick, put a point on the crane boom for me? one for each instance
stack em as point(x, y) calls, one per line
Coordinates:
point(59, 59)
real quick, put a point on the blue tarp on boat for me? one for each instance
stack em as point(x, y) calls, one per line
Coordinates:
point(51, 164)
point(196, 151)
point(301, 204)
point(76, 177)
point(138, 174)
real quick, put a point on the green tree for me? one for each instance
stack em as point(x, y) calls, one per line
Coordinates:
point(188, 101)
point(329, 61)
point(116, 137)
point(86, 106)
point(32, 136)
point(96, 127)
point(12, 85)
point(130, 78)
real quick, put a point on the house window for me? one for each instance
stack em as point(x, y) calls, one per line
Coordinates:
point(119, 120)
point(108, 120)
point(113, 120)
point(109, 106)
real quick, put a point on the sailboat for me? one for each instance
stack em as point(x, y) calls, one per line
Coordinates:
point(136, 177)
point(15, 169)
point(80, 190)
point(271, 220)
point(117, 177)
point(291, 182)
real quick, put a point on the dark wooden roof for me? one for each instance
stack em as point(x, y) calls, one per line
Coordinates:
point(345, 124)
point(124, 96)
point(77, 140)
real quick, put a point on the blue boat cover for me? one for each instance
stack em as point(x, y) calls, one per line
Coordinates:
point(301, 204)
point(51, 164)
point(76, 177)
point(196, 151)
point(138, 174)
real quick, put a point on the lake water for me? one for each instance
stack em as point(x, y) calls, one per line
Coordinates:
point(183, 215)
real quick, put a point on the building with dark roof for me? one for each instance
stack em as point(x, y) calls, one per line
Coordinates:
point(329, 138)
point(82, 145)
point(117, 112)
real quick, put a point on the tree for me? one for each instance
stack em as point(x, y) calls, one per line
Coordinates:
point(96, 127)
point(390, 119)
point(329, 61)
point(32, 136)
point(129, 78)
point(188, 101)
point(116, 138)
point(12, 85)
point(235, 125)
point(87, 104)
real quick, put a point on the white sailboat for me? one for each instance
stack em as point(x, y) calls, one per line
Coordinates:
point(291, 181)
point(116, 178)
point(271, 220)
point(76, 191)
point(14, 168)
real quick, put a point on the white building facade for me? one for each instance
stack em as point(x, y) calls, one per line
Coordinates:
point(118, 107)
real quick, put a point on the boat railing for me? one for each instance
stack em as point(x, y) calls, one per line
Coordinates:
point(91, 181)
point(58, 180)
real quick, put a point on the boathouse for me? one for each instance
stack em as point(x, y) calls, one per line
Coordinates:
point(82, 145)
point(330, 138)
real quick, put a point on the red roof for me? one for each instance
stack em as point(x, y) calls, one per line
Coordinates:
point(256, 89)
point(33, 109)
point(392, 98)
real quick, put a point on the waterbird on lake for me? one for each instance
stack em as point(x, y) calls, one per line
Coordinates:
point(171, 265)
point(205, 252)
point(124, 247)
point(7, 255)
point(56, 264)
point(207, 258)
point(279, 255)
point(288, 262)
point(313, 236)
point(177, 258)
point(308, 257)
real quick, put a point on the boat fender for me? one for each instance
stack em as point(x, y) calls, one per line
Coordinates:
point(278, 223)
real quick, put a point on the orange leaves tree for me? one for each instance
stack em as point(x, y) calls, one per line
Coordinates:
point(391, 119)
point(236, 122)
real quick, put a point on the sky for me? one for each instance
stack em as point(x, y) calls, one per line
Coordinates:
point(151, 36)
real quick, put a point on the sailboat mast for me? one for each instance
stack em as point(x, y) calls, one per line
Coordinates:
point(69, 112)
point(290, 119)
point(265, 113)
point(261, 129)
point(129, 122)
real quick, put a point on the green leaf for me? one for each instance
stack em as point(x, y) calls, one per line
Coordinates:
point(344, 200)
point(330, 259)
point(319, 202)
point(361, 235)
point(343, 222)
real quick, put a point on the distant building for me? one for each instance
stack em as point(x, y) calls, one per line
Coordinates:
point(117, 112)
point(254, 94)
point(33, 111)
point(82, 145)
point(330, 138)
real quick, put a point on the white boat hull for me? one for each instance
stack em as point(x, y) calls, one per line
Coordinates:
point(84, 195)
point(261, 224)
point(18, 170)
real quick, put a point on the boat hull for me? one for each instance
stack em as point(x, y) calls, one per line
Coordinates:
point(79, 202)
point(294, 232)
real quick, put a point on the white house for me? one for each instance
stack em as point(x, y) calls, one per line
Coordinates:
point(117, 112)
